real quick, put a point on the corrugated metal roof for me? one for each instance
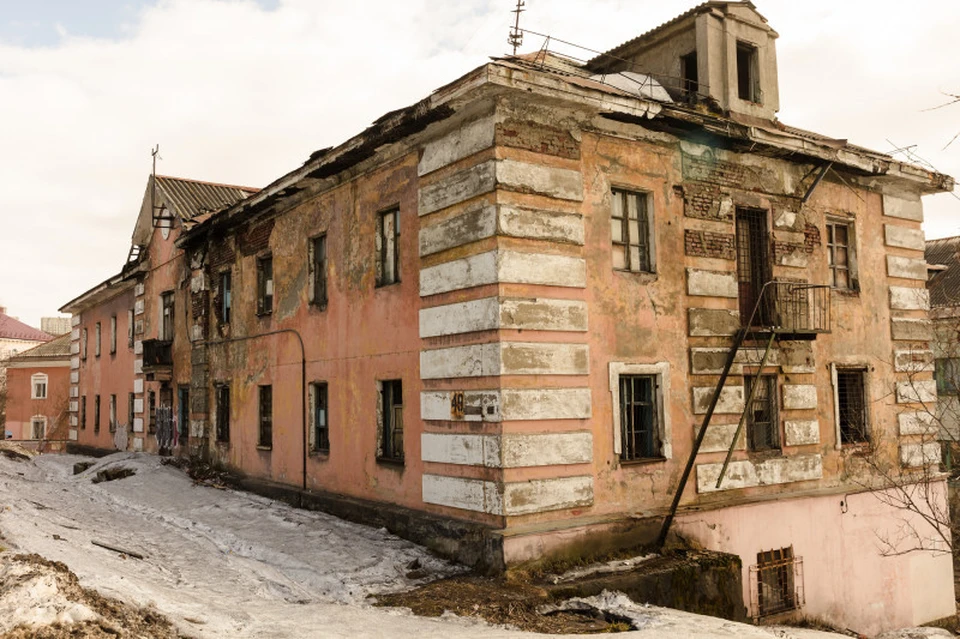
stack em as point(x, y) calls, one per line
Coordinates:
point(193, 197)
point(54, 349)
point(11, 328)
point(945, 286)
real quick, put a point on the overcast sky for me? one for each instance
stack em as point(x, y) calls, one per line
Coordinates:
point(242, 92)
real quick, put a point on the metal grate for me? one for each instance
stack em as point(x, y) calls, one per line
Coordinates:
point(776, 582)
point(266, 417)
point(763, 425)
point(321, 430)
point(851, 405)
point(638, 417)
point(753, 264)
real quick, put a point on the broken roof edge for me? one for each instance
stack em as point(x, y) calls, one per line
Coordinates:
point(102, 292)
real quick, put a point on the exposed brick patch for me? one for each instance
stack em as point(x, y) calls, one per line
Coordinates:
point(708, 244)
point(713, 171)
point(781, 249)
point(540, 138)
point(255, 237)
point(704, 201)
point(811, 237)
point(221, 253)
point(198, 303)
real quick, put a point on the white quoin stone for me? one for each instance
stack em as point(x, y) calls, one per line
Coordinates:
point(916, 392)
point(479, 405)
point(801, 432)
point(907, 267)
point(138, 444)
point(73, 434)
point(138, 307)
point(913, 361)
point(917, 423)
point(563, 184)
point(731, 400)
point(539, 224)
point(461, 317)
point(506, 358)
point(503, 266)
point(507, 451)
point(75, 333)
point(458, 187)
point(74, 391)
point(138, 424)
point(545, 403)
point(74, 362)
point(459, 492)
point(711, 283)
point(74, 377)
point(462, 273)
point(746, 474)
point(138, 386)
point(918, 455)
point(909, 298)
point(463, 141)
point(138, 347)
point(137, 366)
point(541, 495)
point(138, 406)
point(460, 449)
point(73, 407)
point(799, 396)
point(903, 237)
point(492, 313)
point(74, 421)
point(719, 437)
point(906, 209)
point(470, 226)
point(138, 289)
point(75, 321)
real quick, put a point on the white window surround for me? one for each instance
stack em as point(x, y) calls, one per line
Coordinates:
point(664, 430)
point(858, 366)
point(35, 421)
point(39, 386)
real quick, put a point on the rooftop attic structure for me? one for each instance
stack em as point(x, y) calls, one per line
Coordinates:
point(719, 52)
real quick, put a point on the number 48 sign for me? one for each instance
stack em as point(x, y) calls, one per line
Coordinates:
point(456, 405)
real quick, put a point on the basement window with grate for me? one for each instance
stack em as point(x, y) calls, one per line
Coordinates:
point(777, 582)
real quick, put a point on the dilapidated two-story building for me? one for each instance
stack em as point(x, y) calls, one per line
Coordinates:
point(498, 319)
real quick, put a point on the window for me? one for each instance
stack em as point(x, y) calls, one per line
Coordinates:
point(265, 285)
point(151, 412)
point(183, 412)
point(130, 328)
point(266, 417)
point(96, 414)
point(630, 232)
point(38, 427)
point(223, 412)
point(391, 421)
point(83, 344)
point(753, 265)
point(130, 404)
point(320, 431)
point(763, 424)
point(166, 316)
point(841, 255)
point(113, 414)
point(113, 334)
point(38, 386)
point(777, 574)
point(388, 247)
point(639, 425)
point(96, 344)
point(851, 405)
point(83, 413)
point(947, 373)
point(318, 270)
point(226, 296)
point(748, 72)
point(689, 73)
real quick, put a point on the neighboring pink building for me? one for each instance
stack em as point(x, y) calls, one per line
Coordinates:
point(16, 337)
point(38, 383)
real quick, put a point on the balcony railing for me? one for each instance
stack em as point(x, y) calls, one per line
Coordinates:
point(157, 353)
point(792, 308)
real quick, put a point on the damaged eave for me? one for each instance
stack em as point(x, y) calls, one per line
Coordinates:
point(106, 290)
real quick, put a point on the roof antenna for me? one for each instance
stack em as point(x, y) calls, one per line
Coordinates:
point(515, 39)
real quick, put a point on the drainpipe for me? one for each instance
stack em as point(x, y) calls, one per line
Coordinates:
point(303, 386)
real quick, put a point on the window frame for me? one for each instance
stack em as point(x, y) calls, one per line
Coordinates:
point(661, 370)
point(226, 295)
point(131, 403)
point(386, 427)
point(38, 419)
point(167, 316)
point(864, 371)
point(151, 412)
point(691, 82)
point(112, 423)
point(787, 568)
point(620, 198)
point(752, 93)
point(183, 411)
point(39, 378)
point(266, 286)
point(222, 414)
point(853, 278)
point(383, 246)
point(96, 344)
point(773, 406)
point(319, 396)
point(83, 344)
point(113, 334)
point(265, 416)
point(317, 291)
point(130, 323)
point(83, 412)
point(946, 373)
point(96, 414)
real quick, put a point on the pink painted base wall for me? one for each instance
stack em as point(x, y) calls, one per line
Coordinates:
point(848, 580)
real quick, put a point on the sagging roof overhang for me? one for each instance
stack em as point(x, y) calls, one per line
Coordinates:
point(102, 292)
point(518, 74)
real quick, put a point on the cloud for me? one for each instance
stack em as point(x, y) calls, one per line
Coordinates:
point(238, 93)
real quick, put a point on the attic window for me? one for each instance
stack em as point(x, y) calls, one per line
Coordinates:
point(748, 72)
point(688, 73)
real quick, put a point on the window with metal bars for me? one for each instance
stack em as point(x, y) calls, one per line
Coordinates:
point(763, 424)
point(319, 413)
point(223, 412)
point(639, 423)
point(183, 412)
point(630, 231)
point(841, 255)
point(779, 582)
point(391, 421)
point(851, 405)
point(265, 439)
point(753, 265)
point(388, 247)
point(947, 374)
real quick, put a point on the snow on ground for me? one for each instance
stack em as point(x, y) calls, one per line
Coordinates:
point(222, 563)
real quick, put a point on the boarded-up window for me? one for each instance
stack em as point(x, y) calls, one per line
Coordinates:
point(630, 231)
point(388, 247)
